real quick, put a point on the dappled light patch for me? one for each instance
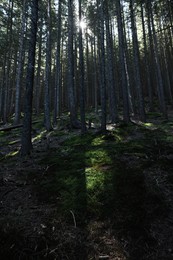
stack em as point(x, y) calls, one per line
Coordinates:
point(2, 133)
point(150, 126)
point(98, 141)
point(94, 179)
point(11, 154)
point(95, 187)
point(39, 136)
point(98, 156)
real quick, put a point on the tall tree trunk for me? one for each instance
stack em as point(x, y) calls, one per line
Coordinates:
point(102, 65)
point(160, 88)
point(95, 78)
point(137, 63)
point(47, 120)
point(38, 74)
point(7, 62)
point(19, 66)
point(3, 91)
point(93, 68)
point(152, 67)
point(71, 93)
point(58, 67)
point(169, 53)
point(146, 58)
point(128, 67)
point(166, 79)
point(122, 63)
point(110, 70)
point(81, 75)
point(26, 133)
point(87, 72)
point(13, 85)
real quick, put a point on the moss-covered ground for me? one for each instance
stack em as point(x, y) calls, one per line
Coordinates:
point(84, 197)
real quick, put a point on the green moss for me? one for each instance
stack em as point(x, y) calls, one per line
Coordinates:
point(101, 178)
point(3, 133)
point(58, 133)
point(154, 114)
point(79, 140)
point(39, 125)
point(98, 141)
point(98, 156)
point(94, 179)
point(88, 175)
point(169, 138)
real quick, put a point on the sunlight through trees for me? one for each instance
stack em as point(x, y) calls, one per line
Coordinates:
point(119, 52)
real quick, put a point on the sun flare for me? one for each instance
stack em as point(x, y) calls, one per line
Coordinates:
point(82, 24)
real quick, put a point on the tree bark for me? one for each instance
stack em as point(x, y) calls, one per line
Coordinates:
point(81, 75)
point(146, 58)
point(71, 93)
point(19, 66)
point(160, 88)
point(102, 65)
point(122, 63)
point(110, 70)
point(7, 62)
point(47, 120)
point(137, 63)
point(58, 67)
point(26, 133)
point(38, 73)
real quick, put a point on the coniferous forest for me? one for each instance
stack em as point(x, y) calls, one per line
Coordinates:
point(86, 129)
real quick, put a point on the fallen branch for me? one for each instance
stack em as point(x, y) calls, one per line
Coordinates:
point(73, 218)
point(9, 128)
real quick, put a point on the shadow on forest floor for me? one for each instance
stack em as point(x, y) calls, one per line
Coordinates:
point(91, 196)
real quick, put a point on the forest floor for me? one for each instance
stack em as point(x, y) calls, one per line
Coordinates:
point(88, 197)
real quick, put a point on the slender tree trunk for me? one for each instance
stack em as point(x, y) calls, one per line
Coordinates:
point(169, 54)
point(152, 67)
point(110, 71)
point(166, 79)
point(47, 120)
point(12, 85)
point(95, 78)
point(26, 133)
point(137, 64)
point(3, 91)
point(87, 72)
point(122, 63)
point(128, 67)
point(93, 68)
point(158, 68)
point(19, 66)
point(102, 66)
point(71, 93)
point(58, 67)
point(81, 75)
point(147, 65)
point(38, 76)
point(7, 63)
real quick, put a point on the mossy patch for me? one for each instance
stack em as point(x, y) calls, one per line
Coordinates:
point(87, 175)
point(79, 140)
point(110, 178)
point(2, 134)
